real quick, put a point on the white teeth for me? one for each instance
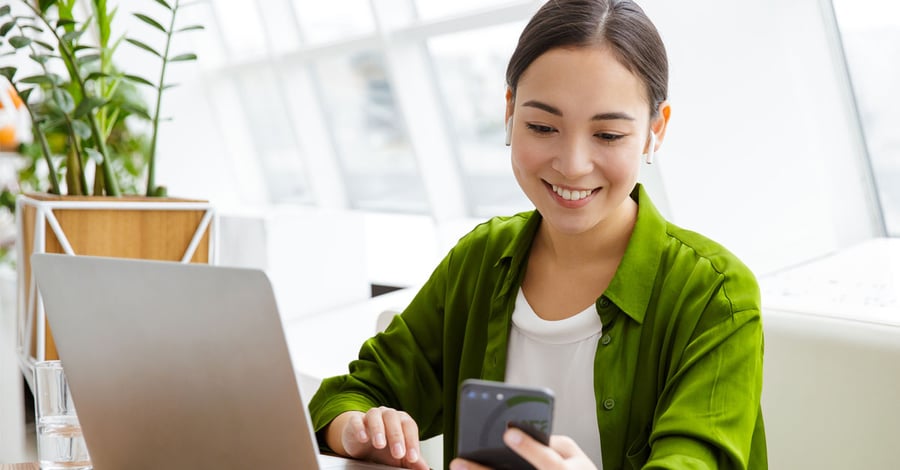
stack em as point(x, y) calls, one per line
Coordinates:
point(570, 195)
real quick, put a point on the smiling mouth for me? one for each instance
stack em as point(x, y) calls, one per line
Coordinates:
point(571, 195)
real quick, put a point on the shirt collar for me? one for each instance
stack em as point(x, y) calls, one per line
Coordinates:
point(632, 285)
point(516, 253)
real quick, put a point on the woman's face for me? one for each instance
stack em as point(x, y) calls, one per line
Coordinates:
point(580, 126)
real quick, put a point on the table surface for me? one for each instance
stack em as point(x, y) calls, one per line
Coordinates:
point(19, 466)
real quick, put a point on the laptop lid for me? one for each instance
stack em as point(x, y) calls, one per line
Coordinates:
point(175, 365)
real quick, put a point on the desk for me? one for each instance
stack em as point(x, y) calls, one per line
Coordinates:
point(19, 466)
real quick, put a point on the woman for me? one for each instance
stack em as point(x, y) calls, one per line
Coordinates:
point(650, 335)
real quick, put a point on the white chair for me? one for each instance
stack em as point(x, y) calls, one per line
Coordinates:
point(831, 392)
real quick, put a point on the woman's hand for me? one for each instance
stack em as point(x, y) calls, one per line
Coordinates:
point(562, 453)
point(382, 435)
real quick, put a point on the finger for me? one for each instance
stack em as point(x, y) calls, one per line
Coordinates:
point(411, 434)
point(463, 464)
point(393, 429)
point(565, 446)
point(374, 421)
point(534, 452)
point(357, 428)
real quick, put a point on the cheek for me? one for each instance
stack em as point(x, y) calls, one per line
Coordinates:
point(525, 158)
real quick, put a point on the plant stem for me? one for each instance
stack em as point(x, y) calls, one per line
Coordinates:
point(37, 132)
point(68, 56)
point(151, 161)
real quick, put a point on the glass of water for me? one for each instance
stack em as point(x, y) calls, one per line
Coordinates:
point(60, 444)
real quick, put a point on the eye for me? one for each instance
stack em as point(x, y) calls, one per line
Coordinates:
point(607, 137)
point(540, 129)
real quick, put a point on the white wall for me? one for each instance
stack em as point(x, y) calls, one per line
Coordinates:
point(762, 152)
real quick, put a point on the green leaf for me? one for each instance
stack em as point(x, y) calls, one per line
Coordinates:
point(87, 59)
point(8, 72)
point(38, 80)
point(5, 9)
point(19, 42)
point(64, 22)
point(24, 94)
point(141, 80)
point(32, 27)
point(40, 58)
point(6, 27)
point(169, 85)
point(49, 79)
point(144, 47)
point(88, 105)
point(150, 21)
point(163, 3)
point(96, 75)
point(183, 57)
point(82, 47)
point(63, 99)
point(193, 27)
point(81, 129)
point(73, 36)
point(94, 155)
point(135, 109)
point(44, 45)
point(44, 5)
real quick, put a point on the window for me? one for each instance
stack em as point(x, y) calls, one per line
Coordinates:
point(870, 30)
point(471, 72)
point(369, 134)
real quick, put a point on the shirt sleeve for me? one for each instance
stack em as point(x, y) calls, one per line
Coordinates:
point(399, 368)
point(708, 414)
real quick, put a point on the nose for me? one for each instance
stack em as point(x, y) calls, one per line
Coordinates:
point(574, 159)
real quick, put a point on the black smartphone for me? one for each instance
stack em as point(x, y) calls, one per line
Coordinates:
point(486, 409)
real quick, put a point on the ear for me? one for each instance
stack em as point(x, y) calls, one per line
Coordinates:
point(660, 123)
point(510, 104)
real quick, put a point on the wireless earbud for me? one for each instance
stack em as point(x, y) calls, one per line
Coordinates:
point(509, 124)
point(648, 157)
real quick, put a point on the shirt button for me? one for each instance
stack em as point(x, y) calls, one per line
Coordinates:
point(609, 404)
point(606, 339)
point(604, 302)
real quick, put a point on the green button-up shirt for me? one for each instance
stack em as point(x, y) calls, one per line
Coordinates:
point(677, 373)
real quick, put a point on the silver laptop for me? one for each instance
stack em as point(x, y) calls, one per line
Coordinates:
point(180, 366)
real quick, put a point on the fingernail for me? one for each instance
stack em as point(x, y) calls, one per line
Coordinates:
point(513, 437)
point(379, 441)
point(397, 451)
point(458, 466)
point(412, 456)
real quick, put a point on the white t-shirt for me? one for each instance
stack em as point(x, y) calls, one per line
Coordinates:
point(559, 355)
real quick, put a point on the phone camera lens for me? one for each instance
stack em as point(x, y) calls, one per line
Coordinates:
point(485, 396)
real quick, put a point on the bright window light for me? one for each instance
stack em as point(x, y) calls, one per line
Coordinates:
point(871, 37)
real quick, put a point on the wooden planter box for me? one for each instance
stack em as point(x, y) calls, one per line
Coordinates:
point(167, 229)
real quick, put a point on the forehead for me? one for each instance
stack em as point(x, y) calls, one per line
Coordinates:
point(588, 79)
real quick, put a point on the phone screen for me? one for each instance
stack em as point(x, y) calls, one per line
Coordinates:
point(487, 409)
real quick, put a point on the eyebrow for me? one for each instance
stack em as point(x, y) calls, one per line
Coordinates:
point(611, 116)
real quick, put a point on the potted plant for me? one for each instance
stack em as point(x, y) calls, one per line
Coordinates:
point(100, 195)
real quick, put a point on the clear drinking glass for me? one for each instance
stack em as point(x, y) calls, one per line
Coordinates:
point(60, 444)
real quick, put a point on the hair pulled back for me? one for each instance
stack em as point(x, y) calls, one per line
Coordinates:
point(619, 24)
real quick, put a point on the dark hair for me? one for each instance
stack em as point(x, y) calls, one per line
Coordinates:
point(620, 24)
